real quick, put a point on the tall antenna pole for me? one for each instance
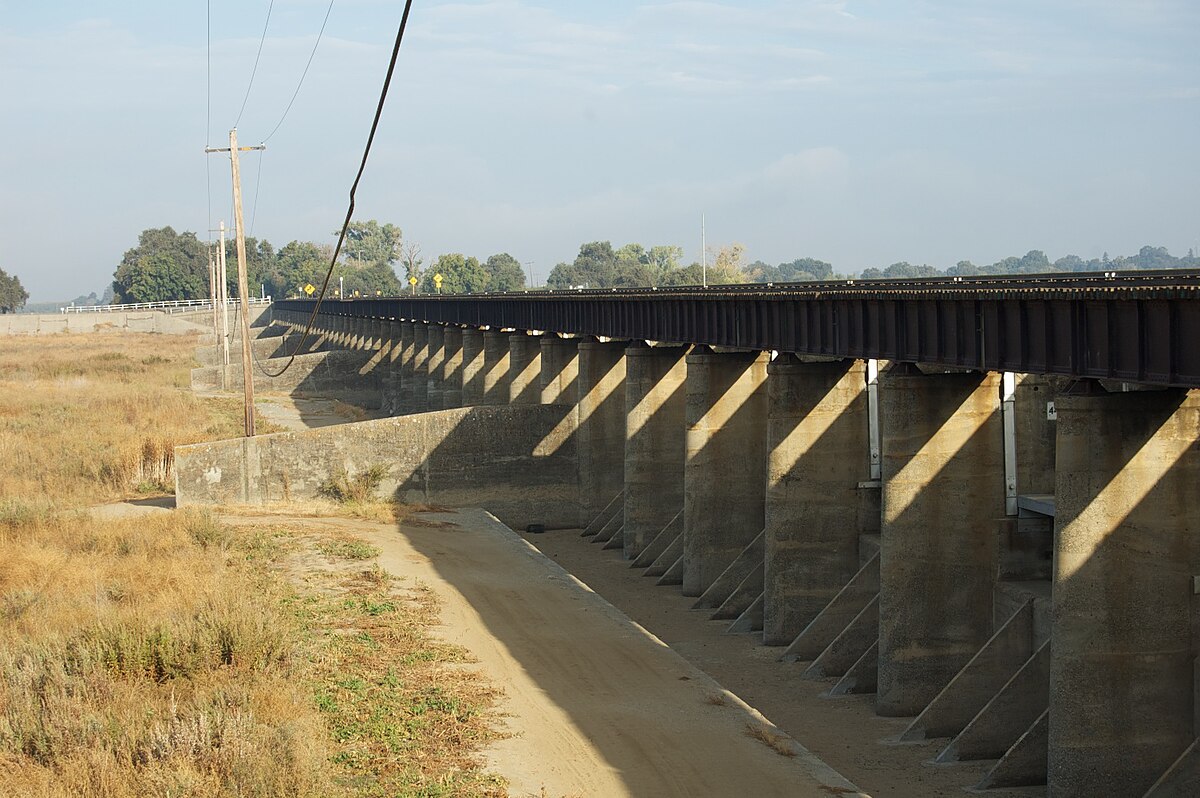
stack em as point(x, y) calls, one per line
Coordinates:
point(703, 253)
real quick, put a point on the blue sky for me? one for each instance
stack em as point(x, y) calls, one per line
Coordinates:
point(862, 133)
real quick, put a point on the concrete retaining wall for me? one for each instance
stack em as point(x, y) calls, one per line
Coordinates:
point(517, 461)
point(149, 321)
point(349, 376)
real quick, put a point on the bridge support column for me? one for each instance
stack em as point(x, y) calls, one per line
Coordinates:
point(472, 367)
point(654, 441)
point(389, 364)
point(601, 433)
point(408, 359)
point(1124, 625)
point(437, 357)
point(496, 376)
point(559, 377)
point(726, 466)
point(943, 505)
point(420, 372)
point(524, 368)
point(452, 363)
point(818, 453)
point(357, 333)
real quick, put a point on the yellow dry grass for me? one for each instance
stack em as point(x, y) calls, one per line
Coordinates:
point(87, 418)
point(172, 654)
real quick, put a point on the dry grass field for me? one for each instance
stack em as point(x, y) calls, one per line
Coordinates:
point(176, 654)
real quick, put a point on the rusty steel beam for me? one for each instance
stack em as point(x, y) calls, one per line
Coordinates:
point(1139, 327)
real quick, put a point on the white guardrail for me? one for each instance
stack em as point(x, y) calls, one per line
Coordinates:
point(174, 306)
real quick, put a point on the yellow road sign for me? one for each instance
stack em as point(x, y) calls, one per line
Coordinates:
point(437, 278)
point(412, 280)
point(308, 289)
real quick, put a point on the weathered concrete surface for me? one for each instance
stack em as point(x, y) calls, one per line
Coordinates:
point(419, 399)
point(1182, 780)
point(338, 373)
point(818, 453)
point(452, 362)
point(726, 465)
point(264, 349)
point(471, 377)
point(842, 609)
point(434, 373)
point(654, 441)
point(406, 394)
point(1024, 765)
point(559, 379)
point(1006, 717)
point(943, 466)
point(496, 374)
point(524, 368)
point(979, 681)
point(601, 435)
point(516, 461)
point(1127, 545)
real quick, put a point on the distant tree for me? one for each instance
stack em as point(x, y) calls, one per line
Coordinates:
point(460, 275)
point(13, 295)
point(504, 273)
point(806, 269)
point(1069, 263)
point(964, 268)
point(692, 274)
point(298, 264)
point(410, 256)
point(728, 264)
point(563, 275)
point(904, 269)
point(164, 266)
point(260, 265)
point(369, 243)
point(872, 273)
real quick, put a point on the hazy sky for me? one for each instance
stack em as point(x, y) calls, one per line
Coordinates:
point(861, 133)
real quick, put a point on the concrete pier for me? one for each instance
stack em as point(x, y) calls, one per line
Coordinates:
point(726, 463)
point(408, 360)
point(559, 379)
point(435, 374)
point(655, 402)
point(420, 373)
point(601, 433)
point(818, 454)
point(452, 363)
point(524, 369)
point(496, 376)
point(943, 501)
point(472, 367)
point(1122, 673)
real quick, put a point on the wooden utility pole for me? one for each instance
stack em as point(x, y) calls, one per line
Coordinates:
point(212, 288)
point(223, 295)
point(243, 282)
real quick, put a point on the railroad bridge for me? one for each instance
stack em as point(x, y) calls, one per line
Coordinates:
point(975, 498)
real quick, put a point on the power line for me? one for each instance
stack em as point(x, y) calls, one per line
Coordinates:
point(257, 184)
point(304, 74)
point(254, 71)
point(387, 82)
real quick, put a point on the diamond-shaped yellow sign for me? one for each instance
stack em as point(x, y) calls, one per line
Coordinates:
point(437, 278)
point(412, 280)
point(308, 289)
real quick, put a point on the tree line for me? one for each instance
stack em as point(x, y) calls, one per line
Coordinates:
point(377, 260)
point(13, 295)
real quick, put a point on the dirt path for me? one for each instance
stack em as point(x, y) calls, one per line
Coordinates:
point(596, 705)
point(845, 732)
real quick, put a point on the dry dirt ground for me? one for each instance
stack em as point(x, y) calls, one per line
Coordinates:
point(595, 705)
point(844, 731)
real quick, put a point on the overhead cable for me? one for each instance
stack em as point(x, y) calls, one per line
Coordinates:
point(254, 71)
point(303, 75)
point(387, 82)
